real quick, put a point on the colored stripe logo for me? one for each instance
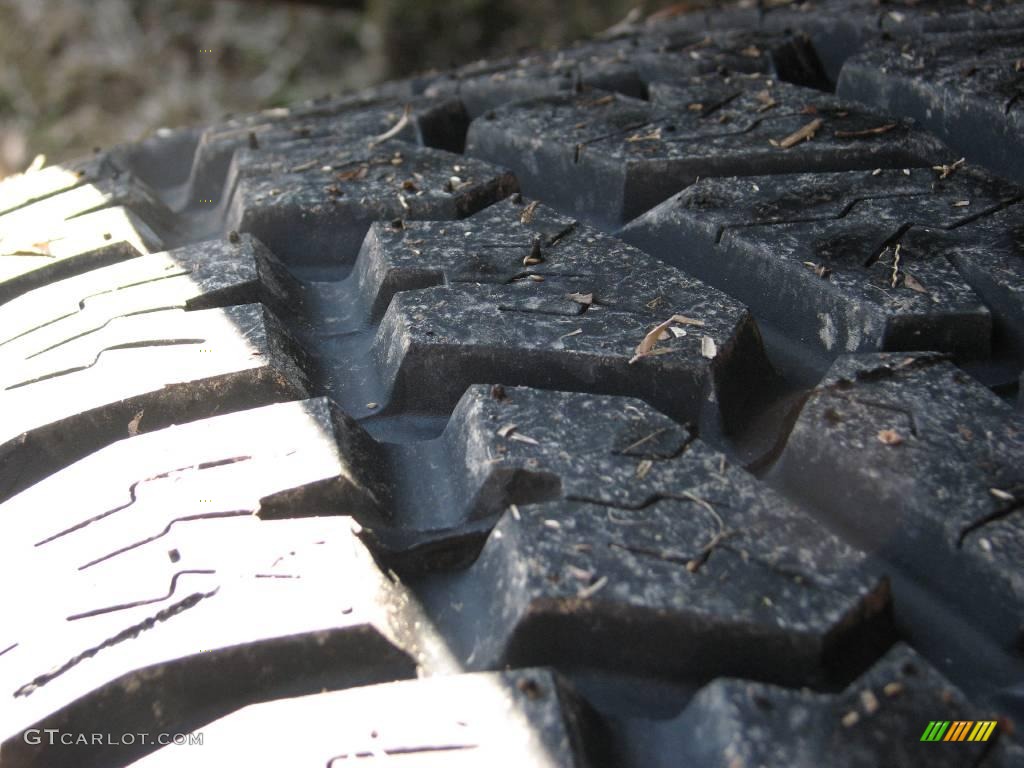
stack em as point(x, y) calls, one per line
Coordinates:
point(958, 730)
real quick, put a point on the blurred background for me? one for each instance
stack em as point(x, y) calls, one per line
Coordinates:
point(78, 74)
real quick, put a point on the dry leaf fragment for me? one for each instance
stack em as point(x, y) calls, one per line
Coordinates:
point(806, 133)
point(751, 52)
point(647, 344)
point(586, 299)
point(961, 203)
point(850, 719)
point(133, 425)
point(527, 215)
point(643, 468)
point(889, 437)
point(708, 348)
point(865, 132)
point(353, 175)
point(695, 106)
point(1002, 495)
point(913, 283)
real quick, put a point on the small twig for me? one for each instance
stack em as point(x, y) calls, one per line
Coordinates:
point(625, 451)
point(801, 134)
point(866, 132)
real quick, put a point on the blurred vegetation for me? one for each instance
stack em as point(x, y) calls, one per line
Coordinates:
point(74, 75)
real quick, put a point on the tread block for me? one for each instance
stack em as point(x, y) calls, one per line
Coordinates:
point(167, 365)
point(22, 189)
point(210, 274)
point(515, 309)
point(608, 158)
point(878, 720)
point(82, 227)
point(165, 646)
point(431, 122)
point(966, 88)
point(700, 571)
point(628, 64)
point(924, 466)
point(827, 244)
point(160, 486)
point(336, 192)
point(521, 717)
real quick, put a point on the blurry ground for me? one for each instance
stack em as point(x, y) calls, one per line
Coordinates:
point(74, 75)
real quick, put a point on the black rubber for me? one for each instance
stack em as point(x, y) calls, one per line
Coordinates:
point(642, 403)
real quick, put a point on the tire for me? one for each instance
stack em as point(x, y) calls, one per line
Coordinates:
point(649, 402)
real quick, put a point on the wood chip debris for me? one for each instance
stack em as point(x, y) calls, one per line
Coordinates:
point(647, 344)
point(643, 468)
point(948, 170)
point(820, 270)
point(850, 719)
point(534, 256)
point(509, 432)
point(708, 348)
point(889, 437)
point(1002, 495)
point(961, 203)
point(654, 135)
point(527, 215)
point(580, 574)
point(593, 589)
point(869, 701)
point(892, 689)
point(586, 299)
point(395, 129)
point(806, 133)
point(865, 132)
